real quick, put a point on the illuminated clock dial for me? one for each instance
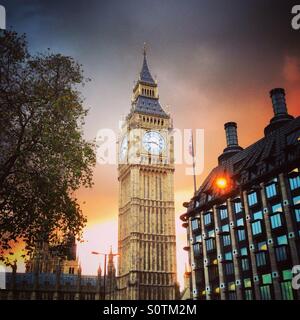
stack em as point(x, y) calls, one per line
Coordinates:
point(153, 142)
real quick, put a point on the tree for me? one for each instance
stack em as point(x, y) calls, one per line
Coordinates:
point(44, 158)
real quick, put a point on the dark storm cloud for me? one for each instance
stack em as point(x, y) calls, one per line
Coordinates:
point(232, 44)
point(179, 23)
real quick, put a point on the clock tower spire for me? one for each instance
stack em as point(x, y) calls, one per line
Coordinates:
point(145, 97)
point(145, 75)
point(146, 228)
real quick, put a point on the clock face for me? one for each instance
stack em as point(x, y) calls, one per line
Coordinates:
point(124, 148)
point(153, 142)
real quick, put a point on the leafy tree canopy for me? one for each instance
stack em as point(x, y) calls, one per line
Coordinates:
point(44, 158)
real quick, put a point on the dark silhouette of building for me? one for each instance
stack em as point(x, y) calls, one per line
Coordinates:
point(50, 276)
point(243, 224)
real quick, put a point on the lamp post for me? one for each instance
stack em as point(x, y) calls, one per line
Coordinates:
point(104, 276)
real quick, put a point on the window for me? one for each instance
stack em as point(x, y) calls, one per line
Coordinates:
point(197, 249)
point(229, 268)
point(287, 274)
point(231, 286)
point(277, 208)
point(195, 224)
point(240, 222)
point(252, 198)
point(223, 213)
point(228, 256)
point(295, 183)
point(265, 292)
point(261, 259)
point(281, 253)
point(226, 240)
point(207, 218)
point(257, 215)
point(296, 200)
point(282, 240)
point(297, 213)
point(241, 235)
point(262, 246)
point(275, 221)
point(198, 238)
point(247, 283)
point(248, 294)
point(244, 251)
point(245, 264)
point(286, 290)
point(267, 278)
point(232, 295)
point(211, 233)
point(256, 228)
point(237, 207)
point(271, 190)
point(225, 228)
point(209, 244)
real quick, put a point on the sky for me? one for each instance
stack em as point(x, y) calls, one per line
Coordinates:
point(215, 61)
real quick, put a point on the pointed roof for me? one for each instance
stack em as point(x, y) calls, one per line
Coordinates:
point(99, 269)
point(145, 74)
point(142, 103)
point(149, 106)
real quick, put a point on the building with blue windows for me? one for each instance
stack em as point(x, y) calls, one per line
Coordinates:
point(243, 234)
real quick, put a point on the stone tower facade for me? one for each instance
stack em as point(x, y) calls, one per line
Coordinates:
point(147, 261)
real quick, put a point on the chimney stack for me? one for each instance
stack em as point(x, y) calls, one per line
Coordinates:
point(278, 100)
point(281, 115)
point(232, 142)
point(231, 134)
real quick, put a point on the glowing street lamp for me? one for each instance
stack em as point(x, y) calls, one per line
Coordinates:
point(222, 183)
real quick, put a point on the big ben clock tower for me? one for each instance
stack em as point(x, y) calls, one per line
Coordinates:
point(147, 261)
